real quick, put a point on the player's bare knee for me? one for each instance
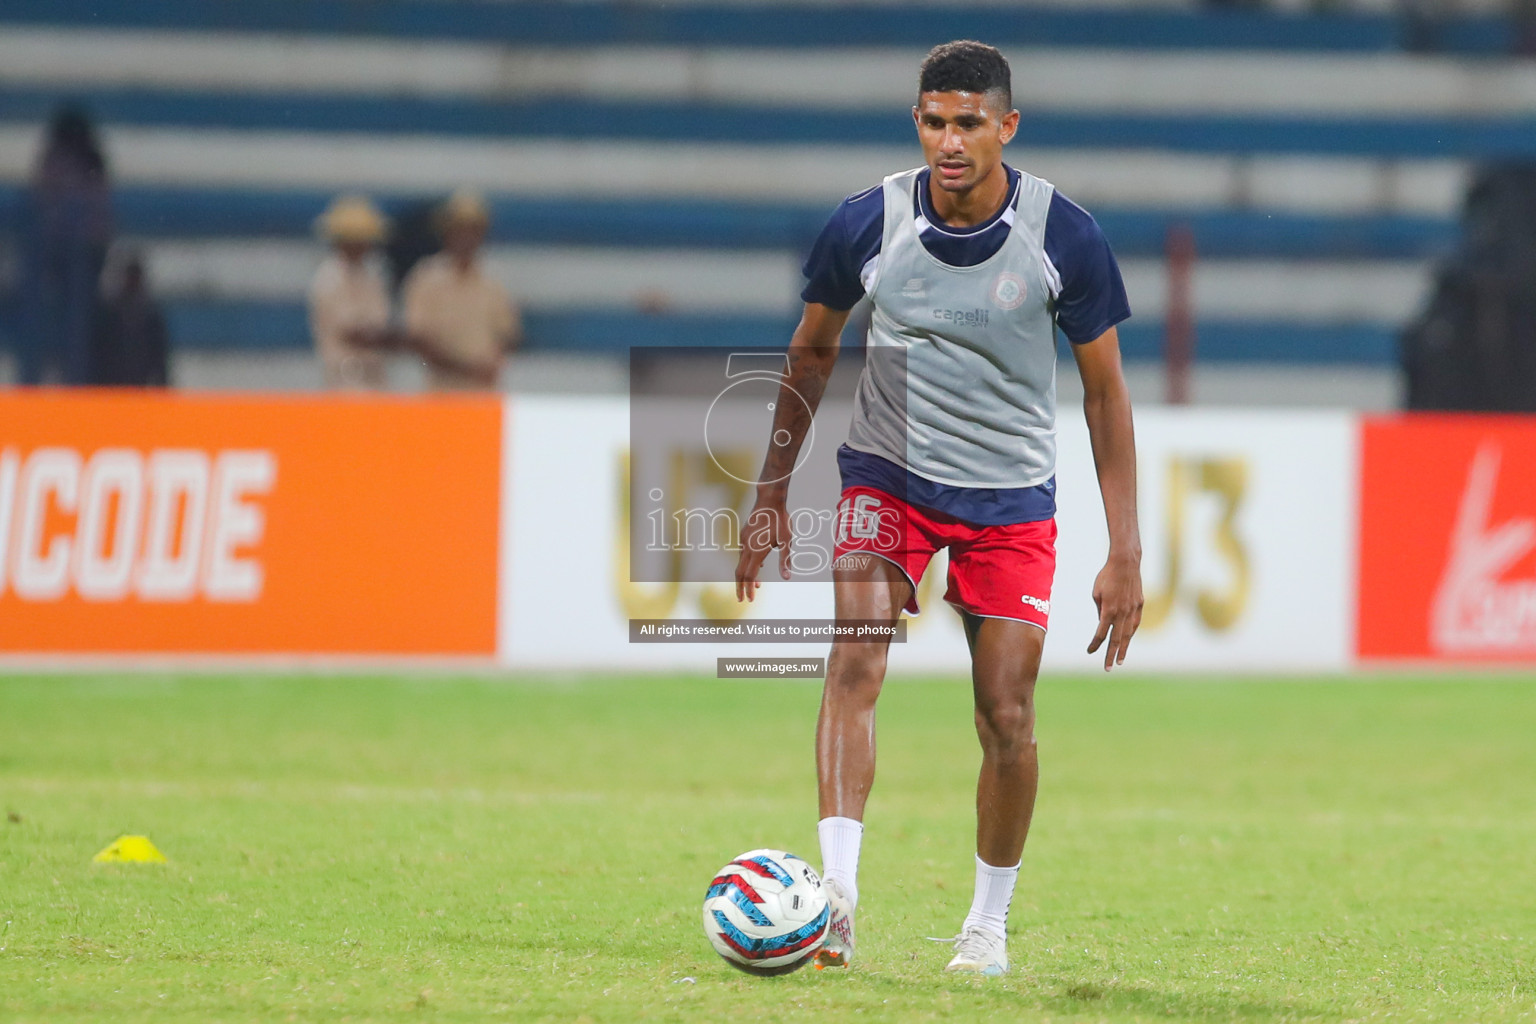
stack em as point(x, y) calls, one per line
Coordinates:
point(1006, 728)
point(856, 670)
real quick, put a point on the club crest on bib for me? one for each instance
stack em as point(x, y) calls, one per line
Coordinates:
point(1008, 290)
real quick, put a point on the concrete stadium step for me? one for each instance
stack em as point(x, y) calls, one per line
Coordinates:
point(563, 169)
point(266, 327)
point(1248, 384)
point(539, 22)
point(768, 281)
point(557, 120)
point(1131, 80)
point(190, 213)
point(272, 326)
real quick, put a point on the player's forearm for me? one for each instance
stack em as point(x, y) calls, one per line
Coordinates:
point(812, 354)
point(799, 397)
point(1108, 411)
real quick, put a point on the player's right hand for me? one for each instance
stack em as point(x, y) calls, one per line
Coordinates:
point(766, 528)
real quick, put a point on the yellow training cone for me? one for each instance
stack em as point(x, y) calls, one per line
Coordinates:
point(130, 850)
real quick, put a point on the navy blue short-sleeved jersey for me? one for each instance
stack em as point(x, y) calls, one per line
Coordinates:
point(1088, 298)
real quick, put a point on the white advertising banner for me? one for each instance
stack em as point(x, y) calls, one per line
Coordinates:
point(567, 596)
point(1247, 536)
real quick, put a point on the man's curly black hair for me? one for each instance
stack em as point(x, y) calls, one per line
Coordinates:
point(968, 66)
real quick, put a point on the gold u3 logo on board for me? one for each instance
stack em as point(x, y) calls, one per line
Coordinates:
point(1226, 480)
point(687, 471)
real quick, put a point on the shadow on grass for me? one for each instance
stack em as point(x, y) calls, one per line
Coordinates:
point(1115, 999)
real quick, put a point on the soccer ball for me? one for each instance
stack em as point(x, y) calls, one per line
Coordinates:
point(765, 912)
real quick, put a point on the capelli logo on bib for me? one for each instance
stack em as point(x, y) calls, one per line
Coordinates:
point(1009, 290)
point(963, 317)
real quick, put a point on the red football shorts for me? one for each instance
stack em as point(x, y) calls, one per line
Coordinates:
point(1001, 572)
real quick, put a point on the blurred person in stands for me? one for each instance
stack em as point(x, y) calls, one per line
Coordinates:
point(348, 301)
point(1524, 15)
point(460, 320)
point(129, 344)
point(67, 229)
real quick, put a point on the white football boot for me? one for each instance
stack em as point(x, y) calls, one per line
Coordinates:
point(837, 949)
point(978, 951)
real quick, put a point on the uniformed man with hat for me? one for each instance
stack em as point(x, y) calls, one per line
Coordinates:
point(460, 320)
point(348, 301)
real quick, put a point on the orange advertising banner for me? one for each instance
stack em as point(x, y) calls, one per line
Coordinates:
point(178, 524)
point(1447, 522)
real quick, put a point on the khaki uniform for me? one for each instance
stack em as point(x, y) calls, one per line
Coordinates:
point(467, 315)
point(344, 297)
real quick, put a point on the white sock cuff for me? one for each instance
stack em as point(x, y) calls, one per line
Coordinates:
point(992, 869)
point(840, 841)
point(836, 822)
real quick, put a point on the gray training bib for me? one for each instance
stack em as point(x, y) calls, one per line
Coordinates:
point(970, 398)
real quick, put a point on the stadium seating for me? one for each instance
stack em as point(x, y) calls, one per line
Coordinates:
point(657, 170)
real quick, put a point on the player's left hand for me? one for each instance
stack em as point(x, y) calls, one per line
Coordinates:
point(1117, 594)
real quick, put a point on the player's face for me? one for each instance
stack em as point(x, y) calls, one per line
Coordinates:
point(963, 137)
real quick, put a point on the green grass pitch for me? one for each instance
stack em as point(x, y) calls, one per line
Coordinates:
point(452, 849)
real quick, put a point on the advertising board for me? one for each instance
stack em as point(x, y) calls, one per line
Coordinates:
point(173, 524)
point(1248, 560)
point(1447, 519)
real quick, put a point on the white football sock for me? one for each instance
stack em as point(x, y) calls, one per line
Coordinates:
point(994, 891)
point(840, 838)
